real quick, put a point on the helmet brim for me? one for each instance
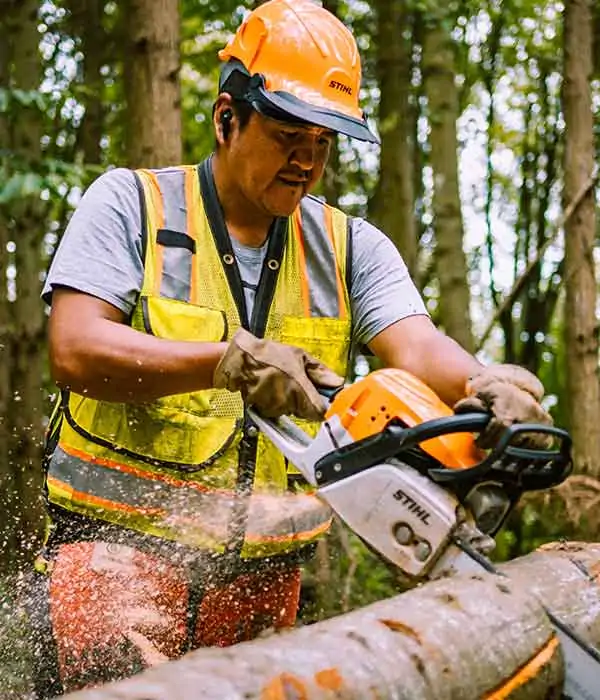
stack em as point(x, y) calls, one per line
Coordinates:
point(287, 107)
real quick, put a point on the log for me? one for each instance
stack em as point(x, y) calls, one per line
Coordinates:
point(471, 636)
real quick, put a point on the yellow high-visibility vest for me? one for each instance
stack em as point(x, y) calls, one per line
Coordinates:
point(171, 468)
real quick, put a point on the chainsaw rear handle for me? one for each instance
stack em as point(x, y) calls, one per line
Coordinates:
point(526, 468)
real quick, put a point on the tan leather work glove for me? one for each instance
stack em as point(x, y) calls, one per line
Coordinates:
point(512, 395)
point(275, 378)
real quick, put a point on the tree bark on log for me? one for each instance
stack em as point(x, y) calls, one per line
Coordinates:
point(475, 636)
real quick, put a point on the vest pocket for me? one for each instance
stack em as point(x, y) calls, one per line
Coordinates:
point(178, 320)
point(327, 339)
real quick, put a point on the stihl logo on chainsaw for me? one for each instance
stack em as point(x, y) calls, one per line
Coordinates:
point(412, 505)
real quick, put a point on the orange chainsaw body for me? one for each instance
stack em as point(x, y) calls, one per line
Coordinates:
point(366, 407)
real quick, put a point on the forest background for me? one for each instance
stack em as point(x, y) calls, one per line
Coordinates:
point(485, 180)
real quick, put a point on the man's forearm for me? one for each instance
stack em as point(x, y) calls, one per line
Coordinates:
point(113, 362)
point(445, 366)
point(415, 345)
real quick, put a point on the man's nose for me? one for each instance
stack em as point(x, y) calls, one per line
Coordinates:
point(305, 154)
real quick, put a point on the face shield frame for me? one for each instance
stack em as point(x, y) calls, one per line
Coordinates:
point(286, 107)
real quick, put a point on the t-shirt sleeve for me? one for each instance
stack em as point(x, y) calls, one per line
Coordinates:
point(382, 291)
point(100, 252)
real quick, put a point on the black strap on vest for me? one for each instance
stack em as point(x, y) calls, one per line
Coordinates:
point(175, 239)
point(256, 325)
point(270, 269)
point(349, 254)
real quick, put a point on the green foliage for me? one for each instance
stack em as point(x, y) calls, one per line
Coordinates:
point(11, 97)
point(51, 179)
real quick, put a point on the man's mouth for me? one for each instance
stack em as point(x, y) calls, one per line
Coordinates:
point(292, 181)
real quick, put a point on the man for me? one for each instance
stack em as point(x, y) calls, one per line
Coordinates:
point(180, 295)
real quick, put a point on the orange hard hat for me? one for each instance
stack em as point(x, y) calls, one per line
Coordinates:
point(301, 63)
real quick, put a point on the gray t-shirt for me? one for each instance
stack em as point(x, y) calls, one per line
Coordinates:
point(101, 254)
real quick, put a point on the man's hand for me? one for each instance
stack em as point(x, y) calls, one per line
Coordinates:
point(512, 395)
point(275, 378)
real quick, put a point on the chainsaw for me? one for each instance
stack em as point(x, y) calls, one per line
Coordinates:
point(405, 474)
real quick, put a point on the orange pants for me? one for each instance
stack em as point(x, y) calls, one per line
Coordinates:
point(115, 610)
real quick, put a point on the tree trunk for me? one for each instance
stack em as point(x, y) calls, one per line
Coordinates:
point(153, 96)
point(86, 22)
point(596, 38)
point(539, 295)
point(478, 636)
point(581, 325)
point(443, 101)
point(21, 491)
point(392, 207)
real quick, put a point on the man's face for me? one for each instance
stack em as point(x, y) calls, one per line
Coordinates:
point(274, 164)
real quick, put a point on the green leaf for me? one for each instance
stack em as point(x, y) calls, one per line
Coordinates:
point(11, 189)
